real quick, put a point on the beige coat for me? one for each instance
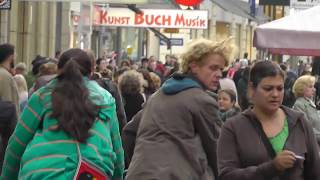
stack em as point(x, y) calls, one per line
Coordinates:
point(8, 89)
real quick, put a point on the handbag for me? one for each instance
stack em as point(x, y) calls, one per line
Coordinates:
point(87, 170)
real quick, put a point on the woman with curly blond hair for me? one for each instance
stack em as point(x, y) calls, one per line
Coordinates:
point(180, 123)
point(304, 91)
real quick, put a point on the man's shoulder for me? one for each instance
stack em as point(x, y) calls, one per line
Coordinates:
point(4, 74)
point(98, 94)
point(201, 97)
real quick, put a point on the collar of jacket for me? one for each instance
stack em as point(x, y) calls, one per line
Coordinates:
point(292, 116)
point(310, 102)
point(190, 76)
point(179, 82)
point(5, 68)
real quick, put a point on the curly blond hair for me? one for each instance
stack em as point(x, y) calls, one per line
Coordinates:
point(199, 49)
point(156, 80)
point(301, 83)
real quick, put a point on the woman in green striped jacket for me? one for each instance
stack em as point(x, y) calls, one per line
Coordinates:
point(69, 118)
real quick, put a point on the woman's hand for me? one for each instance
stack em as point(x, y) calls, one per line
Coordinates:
point(284, 160)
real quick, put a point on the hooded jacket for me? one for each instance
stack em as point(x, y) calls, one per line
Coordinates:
point(242, 154)
point(177, 134)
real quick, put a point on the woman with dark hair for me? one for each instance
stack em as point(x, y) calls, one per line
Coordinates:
point(68, 130)
point(268, 141)
point(101, 64)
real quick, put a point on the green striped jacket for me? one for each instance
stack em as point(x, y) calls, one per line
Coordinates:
point(37, 151)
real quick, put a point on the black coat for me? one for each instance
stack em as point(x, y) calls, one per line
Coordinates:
point(8, 119)
point(112, 88)
point(132, 104)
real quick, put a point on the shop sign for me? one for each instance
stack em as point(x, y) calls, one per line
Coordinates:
point(5, 4)
point(157, 18)
point(301, 5)
point(275, 2)
point(171, 30)
point(173, 41)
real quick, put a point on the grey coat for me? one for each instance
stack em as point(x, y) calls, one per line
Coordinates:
point(177, 137)
point(311, 113)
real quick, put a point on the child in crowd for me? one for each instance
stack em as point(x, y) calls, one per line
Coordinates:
point(227, 104)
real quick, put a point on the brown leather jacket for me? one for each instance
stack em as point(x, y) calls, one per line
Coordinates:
point(243, 156)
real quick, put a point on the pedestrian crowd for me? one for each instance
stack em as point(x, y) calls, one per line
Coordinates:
point(199, 116)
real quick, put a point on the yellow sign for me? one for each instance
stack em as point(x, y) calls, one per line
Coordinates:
point(171, 30)
point(129, 49)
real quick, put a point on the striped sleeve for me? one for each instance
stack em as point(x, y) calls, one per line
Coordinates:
point(22, 135)
point(116, 141)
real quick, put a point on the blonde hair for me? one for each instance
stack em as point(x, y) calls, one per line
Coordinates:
point(301, 83)
point(155, 79)
point(199, 49)
point(21, 83)
point(21, 66)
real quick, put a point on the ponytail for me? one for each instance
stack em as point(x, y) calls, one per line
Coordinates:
point(70, 102)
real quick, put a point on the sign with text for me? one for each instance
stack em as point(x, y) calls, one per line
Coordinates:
point(275, 2)
point(5, 4)
point(302, 5)
point(157, 18)
point(173, 41)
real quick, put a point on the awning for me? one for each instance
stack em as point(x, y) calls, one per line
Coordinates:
point(297, 34)
point(240, 8)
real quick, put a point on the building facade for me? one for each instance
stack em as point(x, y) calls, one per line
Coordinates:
point(35, 28)
point(46, 27)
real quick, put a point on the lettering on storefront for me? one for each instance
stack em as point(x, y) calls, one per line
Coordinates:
point(181, 20)
point(112, 20)
point(159, 20)
point(151, 18)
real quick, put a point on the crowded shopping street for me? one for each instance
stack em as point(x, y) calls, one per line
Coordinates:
point(160, 89)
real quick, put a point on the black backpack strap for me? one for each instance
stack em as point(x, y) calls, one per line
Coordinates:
point(258, 127)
